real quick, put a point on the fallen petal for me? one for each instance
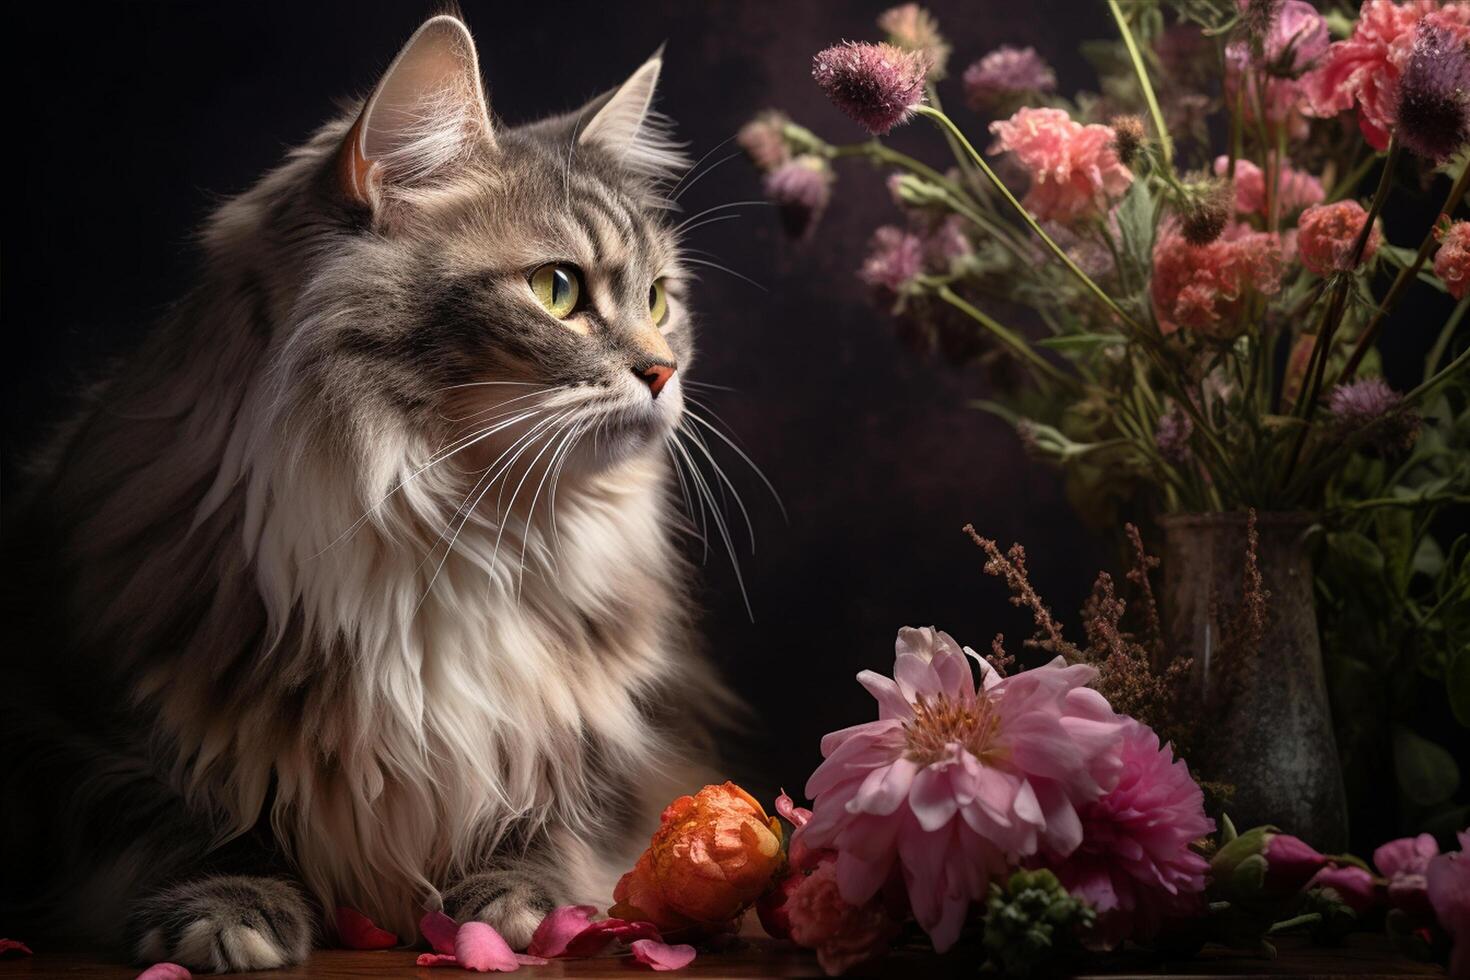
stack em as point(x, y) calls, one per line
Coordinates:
point(165, 971)
point(437, 959)
point(526, 959)
point(662, 956)
point(479, 947)
point(559, 928)
point(357, 931)
point(439, 929)
point(797, 815)
point(599, 935)
point(13, 947)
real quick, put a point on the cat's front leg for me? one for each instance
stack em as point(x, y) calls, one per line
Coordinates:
point(511, 894)
point(224, 924)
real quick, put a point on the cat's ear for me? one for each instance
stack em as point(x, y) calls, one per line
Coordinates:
point(624, 123)
point(428, 111)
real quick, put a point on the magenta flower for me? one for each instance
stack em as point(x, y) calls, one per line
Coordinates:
point(801, 188)
point(1074, 169)
point(1404, 862)
point(1291, 862)
point(1448, 886)
point(878, 85)
point(1005, 73)
point(952, 785)
point(1353, 885)
point(895, 257)
point(1135, 866)
point(1434, 94)
point(1297, 38)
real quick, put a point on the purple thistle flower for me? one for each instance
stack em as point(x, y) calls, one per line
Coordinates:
point(1369, 403)
point(1434, 94)
point(801, 188)
point(878, 85)
point(1004, 73)
point(895, 257)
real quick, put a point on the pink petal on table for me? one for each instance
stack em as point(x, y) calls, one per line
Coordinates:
point(357, 931)
point(558, 929)
point(439, 929)
point(662, 956)
point(597, 936)
point(437, 959)
point(165, 971)
point(13, 947)
point(797, 815)
point(479, 947)
point(526, 959)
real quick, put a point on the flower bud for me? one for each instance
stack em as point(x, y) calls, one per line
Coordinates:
point(1128, 138)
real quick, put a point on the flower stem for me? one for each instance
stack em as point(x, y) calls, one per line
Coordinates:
point(1013, 341)
point(948, 126)
point(1165, 144)
point(1401, 282)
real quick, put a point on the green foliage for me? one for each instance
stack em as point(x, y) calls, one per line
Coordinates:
point(1033, 925)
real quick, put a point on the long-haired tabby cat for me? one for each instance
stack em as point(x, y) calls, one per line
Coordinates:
point(355, 585)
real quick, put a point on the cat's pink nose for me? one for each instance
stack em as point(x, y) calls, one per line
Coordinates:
point(656, 376)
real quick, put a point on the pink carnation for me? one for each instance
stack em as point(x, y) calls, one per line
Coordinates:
point(1297, 188)
point(1364, 70)
point(1452, 261)
point(1135, 866)
point(1074, 169)
point(844, 935)
point(952, 785)
point(1404, 863)
point(1204, 288)
point(1327, 237)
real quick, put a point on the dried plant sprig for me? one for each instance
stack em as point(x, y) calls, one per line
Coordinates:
point(1011, 566)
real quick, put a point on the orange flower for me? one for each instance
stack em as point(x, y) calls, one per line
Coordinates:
point(713, 855)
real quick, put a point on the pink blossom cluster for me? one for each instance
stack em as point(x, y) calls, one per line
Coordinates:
point(1204, 288)
point(1452, 260)
point(1364, 70)
point(1007, 72)
point(1074, 169)
point(1295, 190)
point(956, 783)
point(1327, 237)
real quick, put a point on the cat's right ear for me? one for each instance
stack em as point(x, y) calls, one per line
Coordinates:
point(428, 111)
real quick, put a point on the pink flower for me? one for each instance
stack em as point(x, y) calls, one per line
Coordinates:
point(952, 785)
point(843, 934)
point(894, 258)
point(878, 85)
point(1297, 189)
point(1075, 171)
point(1353, 885)
point(1204, 288)
point(1448, 883)
point(1364, 70)
point(1297, 38)
point(1282, 99)
point(1404, 863)
point(801, 188)
point(661, 956)
point(1452, 261)
point(1291, 862)
point(911, 27)
point(165, 971)
point(1135, 866)
point(1327, 237)
point(1004, 73)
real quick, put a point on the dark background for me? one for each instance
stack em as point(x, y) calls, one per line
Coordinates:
point(127, 121)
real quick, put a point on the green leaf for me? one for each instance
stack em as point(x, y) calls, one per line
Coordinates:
point(1427, 773)
point(1081, 341)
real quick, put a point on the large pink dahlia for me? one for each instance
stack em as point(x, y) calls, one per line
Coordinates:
point(953, 785)
point(1135, 866)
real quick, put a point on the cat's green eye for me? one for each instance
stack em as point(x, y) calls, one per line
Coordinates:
point(658, 302)
point(557, 287)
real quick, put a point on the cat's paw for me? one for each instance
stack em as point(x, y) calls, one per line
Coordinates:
point(512, 900)
point(224, 924)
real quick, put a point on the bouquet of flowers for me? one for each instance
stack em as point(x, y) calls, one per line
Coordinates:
point(1190, 239)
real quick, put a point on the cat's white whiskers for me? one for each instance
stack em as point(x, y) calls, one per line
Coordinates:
point(681, 188)
point(568, 433)
point(723, 268)
point(681, 226)
point(724, 530)
point(720, 473)
point(738, 451)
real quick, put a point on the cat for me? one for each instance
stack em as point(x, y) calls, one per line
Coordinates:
point(358, 585)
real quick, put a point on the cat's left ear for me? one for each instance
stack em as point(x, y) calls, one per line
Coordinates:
point(624, 123)
point(427, 112)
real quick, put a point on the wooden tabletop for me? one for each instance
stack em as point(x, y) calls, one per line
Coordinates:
point(1364, 956)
